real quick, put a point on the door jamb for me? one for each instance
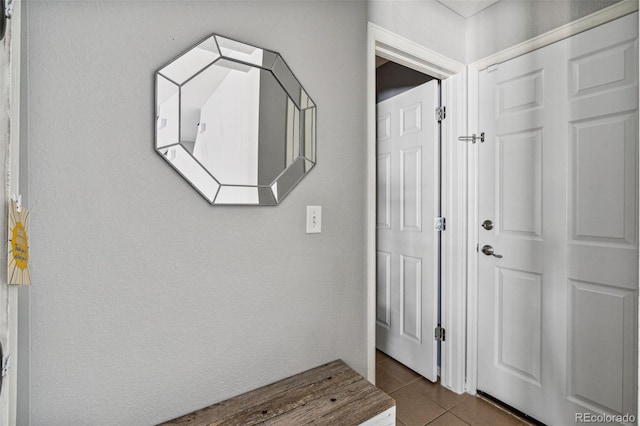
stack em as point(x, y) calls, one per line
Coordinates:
point(383, 43)
point(600, 17)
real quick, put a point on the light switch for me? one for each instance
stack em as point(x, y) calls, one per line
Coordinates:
point(314, 219)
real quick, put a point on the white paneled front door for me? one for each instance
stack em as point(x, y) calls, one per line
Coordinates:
point(558, 179)
point(407, 202)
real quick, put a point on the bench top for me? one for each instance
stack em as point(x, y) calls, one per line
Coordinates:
point(332, 394)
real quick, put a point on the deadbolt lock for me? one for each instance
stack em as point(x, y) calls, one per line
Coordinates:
point(488, 225)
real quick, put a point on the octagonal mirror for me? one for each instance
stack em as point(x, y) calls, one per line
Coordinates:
point(235, 122)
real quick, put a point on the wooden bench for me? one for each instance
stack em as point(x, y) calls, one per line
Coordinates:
point(332, 394)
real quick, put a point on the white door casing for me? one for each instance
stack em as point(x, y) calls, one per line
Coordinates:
point(407, 245)
point(394, 47)
point(558, 174)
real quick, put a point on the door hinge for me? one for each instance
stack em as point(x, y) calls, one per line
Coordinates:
point(440, 113)
point(439, 223)
point(439, 334)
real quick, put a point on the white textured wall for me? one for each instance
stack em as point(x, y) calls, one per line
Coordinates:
point(147, 302)
point(425, 22)
point(510, 22)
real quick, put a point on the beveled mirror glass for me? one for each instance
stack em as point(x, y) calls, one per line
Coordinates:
point(234, 121)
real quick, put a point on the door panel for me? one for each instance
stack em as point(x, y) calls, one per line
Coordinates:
point(603, 387)
point(519, 308)
point(557, 314)
point(411, 189)
point(383, 210)
point(407, 179)
point(608, 167)
point(383, 288)
point(519, 179)
point(410, 298)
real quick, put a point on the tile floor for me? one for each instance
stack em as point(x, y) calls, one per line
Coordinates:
point(420, 402)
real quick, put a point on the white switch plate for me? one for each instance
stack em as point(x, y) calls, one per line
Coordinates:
point(314, 219)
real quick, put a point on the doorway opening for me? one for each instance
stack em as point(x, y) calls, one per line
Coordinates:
point(393, 78)
point(452, 77)
point(408, 188)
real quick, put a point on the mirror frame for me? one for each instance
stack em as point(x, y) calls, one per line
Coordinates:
point(173, 75)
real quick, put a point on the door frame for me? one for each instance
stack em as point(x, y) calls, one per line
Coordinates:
point(600, 17)
point(391, 46)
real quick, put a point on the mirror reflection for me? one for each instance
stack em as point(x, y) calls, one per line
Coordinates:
point(234, 121)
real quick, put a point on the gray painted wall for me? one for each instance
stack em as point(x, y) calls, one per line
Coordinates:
point(147, 302)
point(510, 22)
point(427, 23)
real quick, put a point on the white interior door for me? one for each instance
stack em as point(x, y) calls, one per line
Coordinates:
point(407, 202)
point(558, 178)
